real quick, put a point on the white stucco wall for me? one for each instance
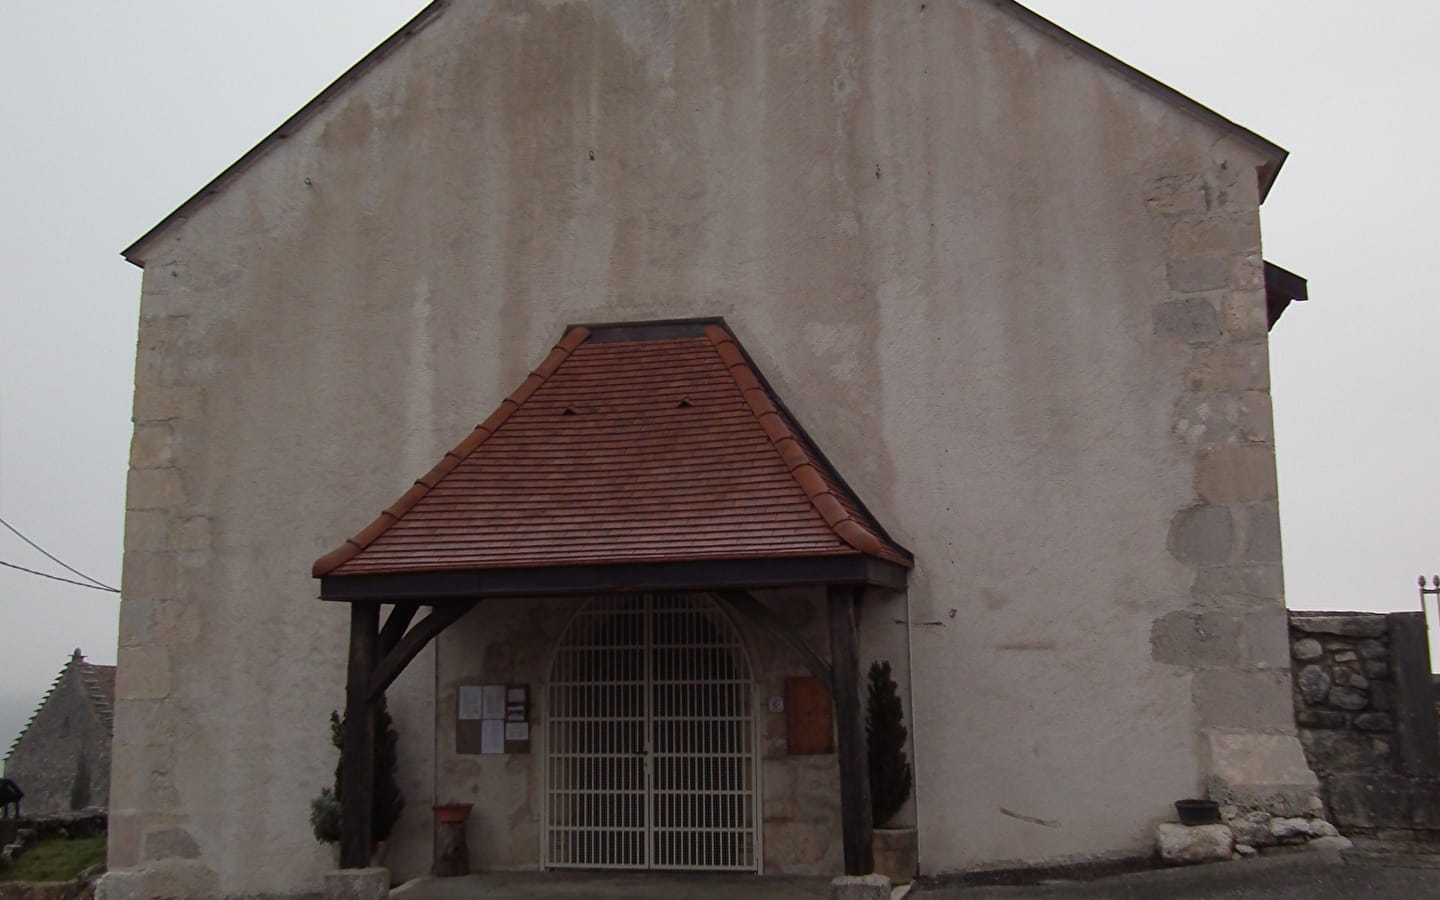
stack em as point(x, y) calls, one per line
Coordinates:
point(949, 242)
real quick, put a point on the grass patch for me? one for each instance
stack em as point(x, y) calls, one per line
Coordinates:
point(56, 859)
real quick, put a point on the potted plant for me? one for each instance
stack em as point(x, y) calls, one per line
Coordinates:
point(452, 850)
point(891, 778)
point(388, 801)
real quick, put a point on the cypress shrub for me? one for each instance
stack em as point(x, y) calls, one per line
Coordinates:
point(388, 802)
point(890, 775)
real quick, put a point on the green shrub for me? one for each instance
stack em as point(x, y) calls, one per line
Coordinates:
point(890, 775)
point(325, 817)
point(387, 803)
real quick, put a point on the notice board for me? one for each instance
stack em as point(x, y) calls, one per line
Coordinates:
point(492, 719)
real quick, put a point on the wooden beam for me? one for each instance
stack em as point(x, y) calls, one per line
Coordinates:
point(744, 603)
point(395, 625)
point(552, 581)
point(855, 815)
point(409, 646)
point(357, 755)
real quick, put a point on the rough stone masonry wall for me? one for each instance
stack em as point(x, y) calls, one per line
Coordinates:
point(1232, 634)
point(226, 670)
point(167, 537)
point(1367, 721)
point(45, 761)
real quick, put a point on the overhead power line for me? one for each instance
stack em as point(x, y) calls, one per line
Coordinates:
point(93, 587)
point(95, 583)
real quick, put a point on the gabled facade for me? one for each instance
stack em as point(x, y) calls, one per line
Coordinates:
point(62, 758)
point(1011, 288)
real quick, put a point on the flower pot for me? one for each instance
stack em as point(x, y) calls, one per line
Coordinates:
point(453, 812)
point(452, 852)
point(897, 853)
point(1198, 812)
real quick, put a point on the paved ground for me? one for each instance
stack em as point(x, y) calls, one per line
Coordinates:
point(628, 885)
point(1307, 876)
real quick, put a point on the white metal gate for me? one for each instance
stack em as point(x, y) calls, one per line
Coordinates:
point(650, 739)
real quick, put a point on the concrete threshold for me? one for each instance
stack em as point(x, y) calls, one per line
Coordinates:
point(575, 885)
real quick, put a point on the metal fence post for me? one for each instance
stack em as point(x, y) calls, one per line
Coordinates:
point(1434, 590)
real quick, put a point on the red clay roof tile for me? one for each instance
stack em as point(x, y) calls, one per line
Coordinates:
point(646, 444)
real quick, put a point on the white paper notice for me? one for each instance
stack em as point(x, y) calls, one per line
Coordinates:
point(492, 702)
point(492, 736)
point(517, 731)
point(470, 706)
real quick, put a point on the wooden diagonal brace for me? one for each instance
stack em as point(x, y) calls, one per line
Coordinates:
point(414, 640)
point(395, 625)
point(744, 603)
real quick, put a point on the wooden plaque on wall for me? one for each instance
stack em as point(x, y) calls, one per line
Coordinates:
point(809, 717)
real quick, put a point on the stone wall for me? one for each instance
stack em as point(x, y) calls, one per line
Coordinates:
point(1231, 635)
point(78, 824)
point(67, 739)
point(1367, 720)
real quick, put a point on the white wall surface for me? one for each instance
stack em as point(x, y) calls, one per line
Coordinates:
point(929, 228)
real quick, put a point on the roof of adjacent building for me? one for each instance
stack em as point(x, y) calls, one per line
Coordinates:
point(1274, 154)
point(98, 683)
point(657, 442)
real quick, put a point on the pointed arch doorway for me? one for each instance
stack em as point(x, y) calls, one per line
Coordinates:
point(650, 739)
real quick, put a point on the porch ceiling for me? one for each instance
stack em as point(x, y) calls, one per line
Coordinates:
point(634, 456)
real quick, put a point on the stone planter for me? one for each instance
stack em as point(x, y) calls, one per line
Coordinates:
point(452, 853)
point(897, 853)
point(357, 884)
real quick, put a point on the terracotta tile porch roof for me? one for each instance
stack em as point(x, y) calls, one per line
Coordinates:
point(629, 444)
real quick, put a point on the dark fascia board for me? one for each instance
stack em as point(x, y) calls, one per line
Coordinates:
point(134, 254)
point(647, 330)
point(1275, 154)
point(549, 581)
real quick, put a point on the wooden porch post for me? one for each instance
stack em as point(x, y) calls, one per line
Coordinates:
point(357, 756)
point(850, 732)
